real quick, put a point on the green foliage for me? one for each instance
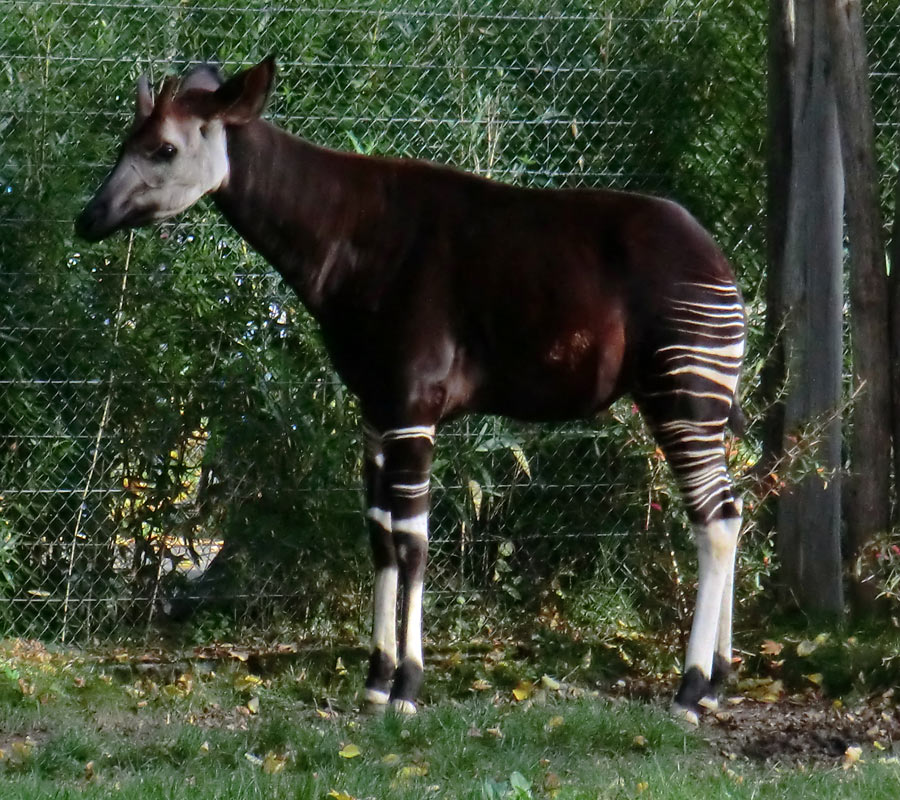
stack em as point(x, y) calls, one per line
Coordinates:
point(166, 392)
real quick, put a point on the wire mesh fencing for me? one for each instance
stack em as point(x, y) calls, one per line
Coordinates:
point(172, 437)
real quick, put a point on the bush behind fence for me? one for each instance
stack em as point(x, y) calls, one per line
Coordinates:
point(171, 435)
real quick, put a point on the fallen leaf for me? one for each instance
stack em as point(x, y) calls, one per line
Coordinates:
point(21, 750)
point(246, 682)
point(253, 759)
point(340, 795)
point(89, 771)
point(476, 493)
point(550, 683)
point(253, 705)
point(413, 771)
point(806, 648)
point(852, 757)
point(639, 741)
point(523, 690)
point(764, 690)
point(771, 648)
point(391, 759)
point(273, 763)
point(554, 722)
point(349, 751)
point(521, 459)
point(552, 784)
point(481, 685)
point(815, 677)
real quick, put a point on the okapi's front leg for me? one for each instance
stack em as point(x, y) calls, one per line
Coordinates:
point(407, 471)
point(383, 660)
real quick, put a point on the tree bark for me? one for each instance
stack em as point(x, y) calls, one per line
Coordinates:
point(778, 168)
point(809, 516)
point(868, 500)
point(894, 299)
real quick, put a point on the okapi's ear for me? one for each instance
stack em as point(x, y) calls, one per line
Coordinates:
point(143, 101)
point(243, 97)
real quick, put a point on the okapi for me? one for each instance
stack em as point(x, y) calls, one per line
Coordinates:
point(438, 293)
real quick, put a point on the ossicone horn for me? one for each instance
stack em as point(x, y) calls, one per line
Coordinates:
point(170, 84)
point(143, 101)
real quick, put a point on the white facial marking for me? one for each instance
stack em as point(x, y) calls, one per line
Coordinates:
point(144, 188)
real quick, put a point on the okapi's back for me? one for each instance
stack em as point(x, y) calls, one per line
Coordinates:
point(557, 295)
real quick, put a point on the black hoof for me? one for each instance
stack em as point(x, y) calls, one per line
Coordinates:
point(694, 694)
point(720, 672)
point(407, 683)
point(378, 682)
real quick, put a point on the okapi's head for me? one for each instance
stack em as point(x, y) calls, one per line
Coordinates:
point(176, 151)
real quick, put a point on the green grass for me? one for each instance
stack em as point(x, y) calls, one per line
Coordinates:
point(72, 726)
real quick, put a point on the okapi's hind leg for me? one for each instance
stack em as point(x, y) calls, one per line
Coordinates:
point(383, 660)
point(686, 397)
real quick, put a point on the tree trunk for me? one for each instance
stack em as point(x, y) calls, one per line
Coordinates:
point(809, 516)
point(778, 168)
point(894, 296)
point(868, 501)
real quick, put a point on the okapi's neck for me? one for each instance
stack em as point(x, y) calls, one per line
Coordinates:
point(297, 204)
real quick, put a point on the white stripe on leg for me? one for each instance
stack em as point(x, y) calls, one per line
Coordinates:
point(716, 542)
point(384, 636)
point(413, 621)
point(723, 640)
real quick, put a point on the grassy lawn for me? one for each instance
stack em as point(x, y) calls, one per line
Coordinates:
point(127, 726)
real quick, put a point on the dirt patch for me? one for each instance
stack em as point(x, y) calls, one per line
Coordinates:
point(811, 731)
point(760, 721)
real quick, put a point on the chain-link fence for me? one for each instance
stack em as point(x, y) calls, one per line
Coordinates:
point(171, 436)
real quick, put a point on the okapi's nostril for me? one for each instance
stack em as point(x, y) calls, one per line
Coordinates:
point(88, 224)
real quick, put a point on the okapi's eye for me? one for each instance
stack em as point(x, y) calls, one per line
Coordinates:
point(165, 152)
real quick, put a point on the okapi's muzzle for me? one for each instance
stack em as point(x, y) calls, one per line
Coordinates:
point(93, 222)
point(103, 216)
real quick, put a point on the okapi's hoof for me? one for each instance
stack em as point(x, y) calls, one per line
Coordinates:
point(695, 693)
point(709, 702)
point(685, 714)
point(405, 707)
point(721, 672)
point(376, 701)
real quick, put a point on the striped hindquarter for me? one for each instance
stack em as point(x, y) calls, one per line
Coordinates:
point(687, 397)
point(397, 475)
